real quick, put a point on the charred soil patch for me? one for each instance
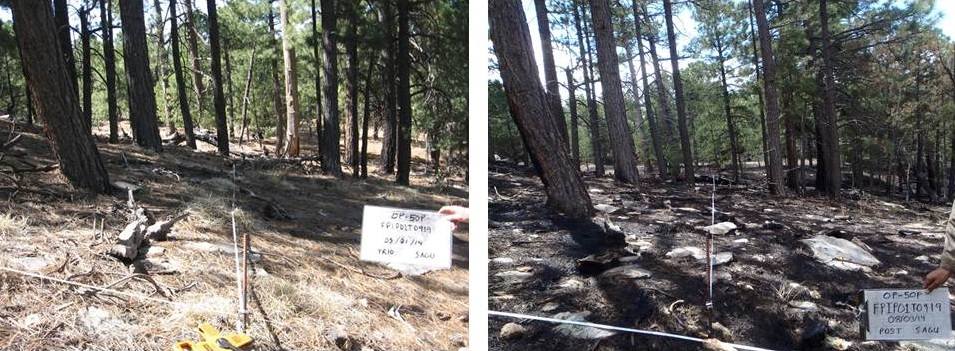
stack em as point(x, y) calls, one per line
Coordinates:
point(543, 265)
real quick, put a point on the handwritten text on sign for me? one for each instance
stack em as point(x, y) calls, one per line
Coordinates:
point(394, 235)
point(897, 314)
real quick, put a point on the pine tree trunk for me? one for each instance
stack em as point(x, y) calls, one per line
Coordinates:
point(218, 100)
point(594, 126)
point(180, 80)
point(56, 104)
point(192, 37)
point(572, 105)
point(688, 171)
point(318, 77)
point(291, 85)
point(550, 68)
point(142, 99)
point(634, 85)
point(161, 61)
point(245, 96)
point(87, 74)
point(512, 44)
point(794, 175)
point(774, 167)
point(366, 115)
point(621, 137)
point(331, 163)
point(109, 59)
point(830, 130)
point(61, 16)
point(277, 102)
point(663, 94)
point(759, 91)
point(403, 94)
point(655, 136)
point(389, 120)
point(351, 88)
point(228, 83)
point(727, 108)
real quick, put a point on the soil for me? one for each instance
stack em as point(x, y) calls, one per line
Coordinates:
point(309, 290)
point(752, 293)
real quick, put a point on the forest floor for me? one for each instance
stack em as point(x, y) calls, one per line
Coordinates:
point(308, 289)
point(772, 294)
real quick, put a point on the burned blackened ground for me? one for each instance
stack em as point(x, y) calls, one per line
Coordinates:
point(772, 294)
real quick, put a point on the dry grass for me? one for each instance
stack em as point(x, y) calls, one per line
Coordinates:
point(309, 285)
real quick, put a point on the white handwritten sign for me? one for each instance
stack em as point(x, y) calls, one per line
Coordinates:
point(395, 235)
point(907, 314)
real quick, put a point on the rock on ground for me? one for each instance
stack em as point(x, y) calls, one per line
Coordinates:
point(840, 253)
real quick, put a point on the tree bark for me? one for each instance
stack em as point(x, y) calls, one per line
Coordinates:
point(663, 94)
point(389, 120)
point(727, 108)
point(512, 45)
point(403, 94)
point(245, 96)
point(331, 133)
point(180, 80)
point(550, 68)
point(218, 100)
point(372, 61)
point(55, 103)
point(774, 167)
point(277, 103)
point(572, 105)
point(142, 99)
point(318, 78)
point(759, 92)
point(291, 85)
point(161, 60)
point(109, 59)
point(351, 88)
point(635, 86)
point(678, 90)
point(192, 37)
point(830, 130)
point(621, 137)
point(655, 136)
point(87, 74)
point(594, 125)
point(61, 16)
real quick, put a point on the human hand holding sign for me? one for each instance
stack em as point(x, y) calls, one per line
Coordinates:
point(456, 214)
point(936, 278)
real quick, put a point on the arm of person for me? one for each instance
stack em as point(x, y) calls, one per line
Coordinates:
point(941, 274)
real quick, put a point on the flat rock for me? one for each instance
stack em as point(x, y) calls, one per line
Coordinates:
point(550, 307)
point(577, 331)
point(631, 271)
point(840, 253)
point(806, 306)
point(720, 228)
point(502, 260)
point(155, 251)
point(606, 208)
point(33, 264)
point(687, 251)
point(512, 331)
point(741, 241)
point(628, 259)
point(406, 269)
point(572, 284)
point(720, 258)
point(515, 276)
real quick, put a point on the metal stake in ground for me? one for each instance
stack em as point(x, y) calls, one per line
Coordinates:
point(709, 248)
point(239, 277)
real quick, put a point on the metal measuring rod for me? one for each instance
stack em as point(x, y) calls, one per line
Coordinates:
point(212, 340)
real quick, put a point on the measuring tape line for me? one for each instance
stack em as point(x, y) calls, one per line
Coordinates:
point(610, 327)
